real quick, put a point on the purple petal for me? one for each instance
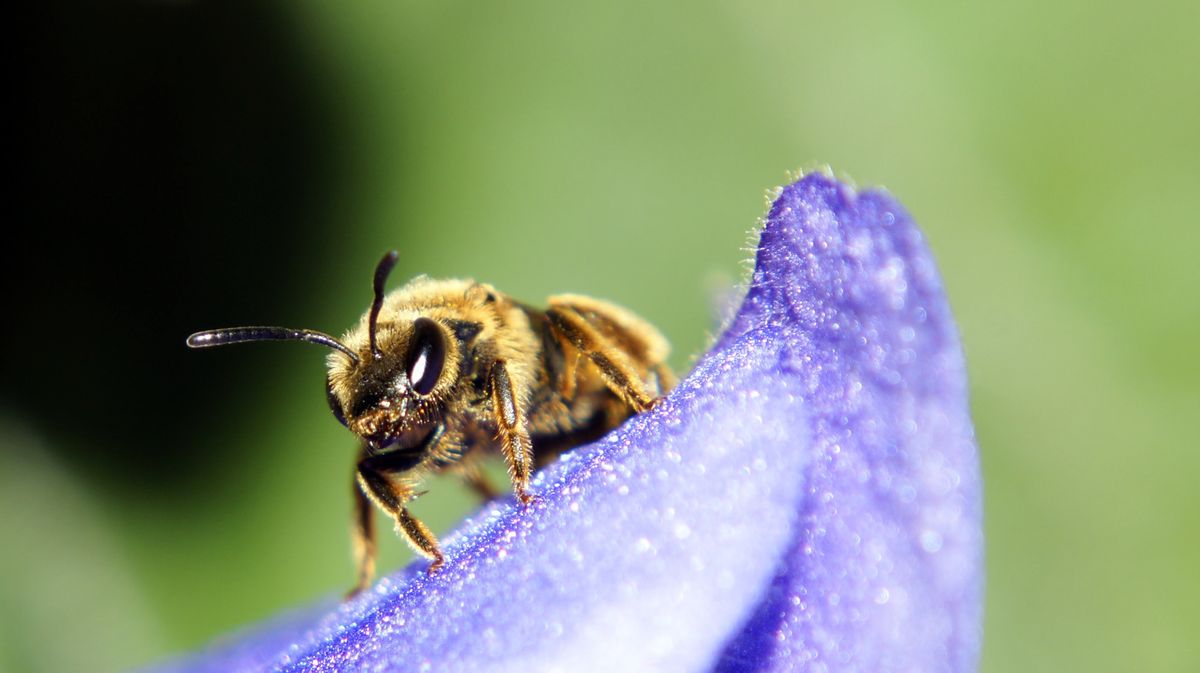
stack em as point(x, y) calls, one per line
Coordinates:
point(886, 571)
point(806, 500)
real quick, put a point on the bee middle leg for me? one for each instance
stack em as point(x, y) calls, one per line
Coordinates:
point(515, 442)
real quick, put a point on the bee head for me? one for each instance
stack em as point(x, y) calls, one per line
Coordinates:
point(385, 396)
point(383, 393)
point(395, 387)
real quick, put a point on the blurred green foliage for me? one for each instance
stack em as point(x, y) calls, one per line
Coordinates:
point(622, 149)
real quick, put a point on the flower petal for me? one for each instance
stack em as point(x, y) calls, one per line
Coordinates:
point(886, 571)
point(806, 499)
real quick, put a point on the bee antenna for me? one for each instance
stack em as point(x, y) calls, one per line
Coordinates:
point(237, 335)
point(382, 271)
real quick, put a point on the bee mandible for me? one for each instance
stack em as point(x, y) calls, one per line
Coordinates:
point(440, 372)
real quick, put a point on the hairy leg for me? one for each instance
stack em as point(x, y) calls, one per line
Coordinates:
point(515, 443)
point(619, 370)
point(375, 479)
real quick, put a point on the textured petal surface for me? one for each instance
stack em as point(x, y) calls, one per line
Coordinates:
point(807, 499)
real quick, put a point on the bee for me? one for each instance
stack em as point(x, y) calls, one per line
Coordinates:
point(439, 373)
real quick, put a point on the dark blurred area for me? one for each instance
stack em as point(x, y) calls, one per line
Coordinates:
point(175, 161)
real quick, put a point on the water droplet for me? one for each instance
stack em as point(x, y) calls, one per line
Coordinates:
point(931, 541)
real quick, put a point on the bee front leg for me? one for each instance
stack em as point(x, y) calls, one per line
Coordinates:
point(391, 496)
point(514, 436)
point(376, 483)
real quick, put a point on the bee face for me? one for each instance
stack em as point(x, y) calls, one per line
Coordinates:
point(397, 389)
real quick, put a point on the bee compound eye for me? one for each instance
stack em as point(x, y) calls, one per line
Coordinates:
point(334, 405)
point(427, 357)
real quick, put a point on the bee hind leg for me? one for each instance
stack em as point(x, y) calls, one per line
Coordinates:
point(664, 379)
point(472, 475)
point(615, 364)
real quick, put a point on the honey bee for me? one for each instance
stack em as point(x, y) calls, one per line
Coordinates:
point(439, 372)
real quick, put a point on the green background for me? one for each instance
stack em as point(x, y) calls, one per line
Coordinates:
point(623, 149)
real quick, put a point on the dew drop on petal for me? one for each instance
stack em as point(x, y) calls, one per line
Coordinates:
point(931, 541)
point(882, 596)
